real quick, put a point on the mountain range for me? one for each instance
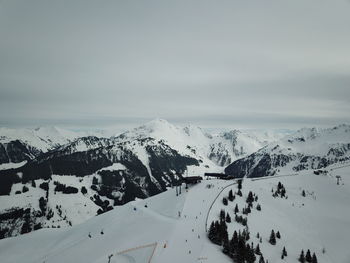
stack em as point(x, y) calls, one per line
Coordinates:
point(51, 177)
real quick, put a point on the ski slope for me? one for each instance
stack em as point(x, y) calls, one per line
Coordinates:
point(319, 221)
point(125, 228)
point(170, 228)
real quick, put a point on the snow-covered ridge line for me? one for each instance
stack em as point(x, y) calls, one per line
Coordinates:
point(305, 149)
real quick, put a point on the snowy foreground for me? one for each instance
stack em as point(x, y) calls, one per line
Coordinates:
point(151, 230)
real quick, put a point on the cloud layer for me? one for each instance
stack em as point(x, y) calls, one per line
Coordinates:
point(215, 63)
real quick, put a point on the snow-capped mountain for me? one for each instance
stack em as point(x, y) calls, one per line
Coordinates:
point(221, 148)
point(308, 148)
point(17, 146)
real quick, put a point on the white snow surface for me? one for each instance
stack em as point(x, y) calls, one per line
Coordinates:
point(5, 166)
point(319, 220)
point(313, 141)
point(114, 167)
point(192, 140)
point(42, 138)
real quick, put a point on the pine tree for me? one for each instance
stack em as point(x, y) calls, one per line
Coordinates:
point(272, 238)
point(278, 235)
point(257, 235)
point(228, 218)
point(279, 186)
point(302, 257)
point(258, 207)
point(250, 256)
point(257, 250)
point(314, 258)
point(241, 250)
point(250, 197)
point(261, 260)
point(236, 209)
point(308, 257)
point(303, 193)
point(239, 192)
point(212, 231)
point(248, 210)
point(226, 246)
point(240, 184)
point(234, 240)
point(222, 215)
point(230, 195)
point(224, 201)
point(284, 251)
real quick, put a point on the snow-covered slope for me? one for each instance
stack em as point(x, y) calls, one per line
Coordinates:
point(18, 145)
point(170, 228)
point(318, 221)
point(308, 148)
point(102, 173)
point(42, 138)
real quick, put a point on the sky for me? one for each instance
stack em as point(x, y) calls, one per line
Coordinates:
point(222, 63)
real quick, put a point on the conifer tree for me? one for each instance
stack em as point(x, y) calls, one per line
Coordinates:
point(258, 207)
point(257, 250)
point(314, 258)
point(222, 215)
point(261, 260)
point(228, 218)
point(284, 251)
point(279, 186)
point(302, 257)
point(308, 257)
point(226, 246)
point(224, 201)
point(241, 250)
point(212, 232)
point(278, 235)
point(236, 209)
point(303, 193)
point(230, 195)
point(240, 184)
point(272, 238)
point(250, 197)
point(250, 256)
point(234, 240)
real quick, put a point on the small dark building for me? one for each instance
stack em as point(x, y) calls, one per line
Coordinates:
point(192, 179)
point(219, 176)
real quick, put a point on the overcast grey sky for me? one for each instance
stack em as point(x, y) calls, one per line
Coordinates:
point(248, 63)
